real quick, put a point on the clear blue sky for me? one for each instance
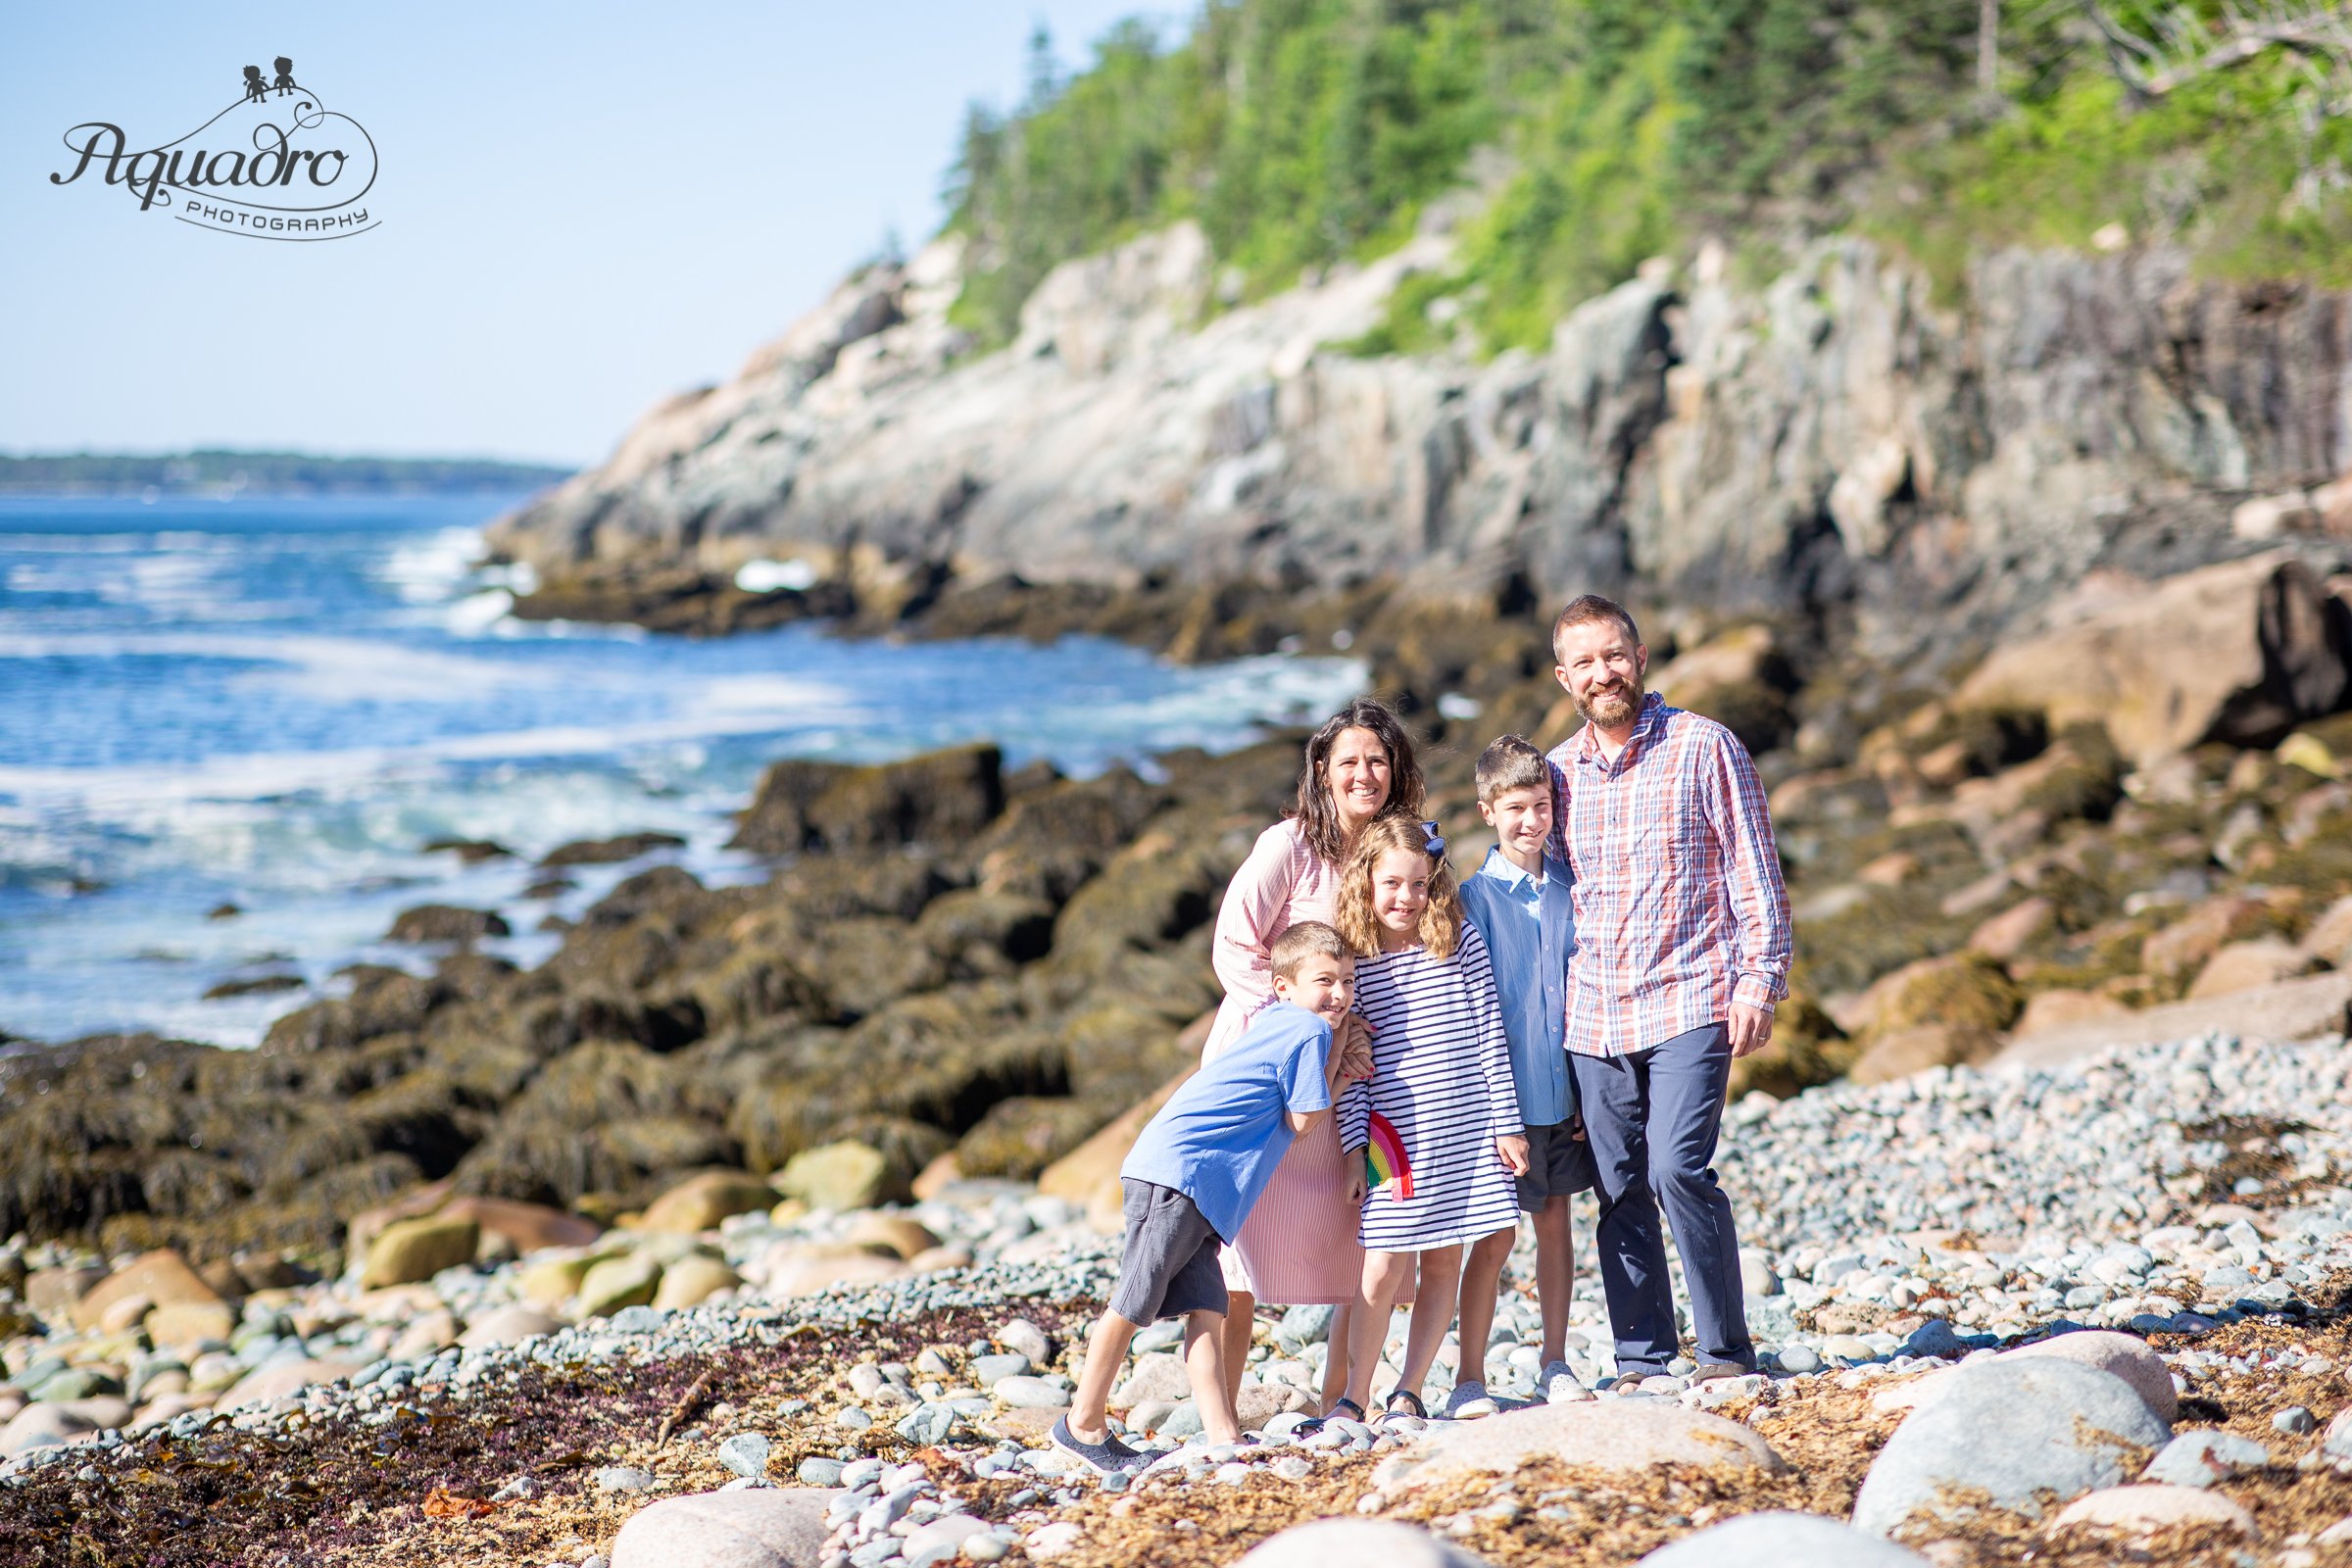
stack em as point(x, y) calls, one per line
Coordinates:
point(584, 206)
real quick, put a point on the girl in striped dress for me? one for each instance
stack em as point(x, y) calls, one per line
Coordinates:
point(1438, 1119)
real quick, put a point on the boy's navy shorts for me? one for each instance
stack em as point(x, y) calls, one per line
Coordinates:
point(1168, 1264)
point(1557, 1163)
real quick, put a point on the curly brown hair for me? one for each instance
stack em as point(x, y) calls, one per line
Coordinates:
point(1317, 813)
point(1440, 922)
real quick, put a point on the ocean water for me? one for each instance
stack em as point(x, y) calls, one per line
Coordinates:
point(275, 703)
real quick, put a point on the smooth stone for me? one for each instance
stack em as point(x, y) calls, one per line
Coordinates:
point(692, 1281)
point(894, 1234)
point(412, 1250)
point(2118, 1354)
point(700, 1202)
point(623, 1478)
point(508, 1325)
point(942, 1539)
point(2338, 1443)
point(1302, 1326)
point(281, 1378)
point(1606, 1434)
point(768, 1526)
point(2017, 1431)
point(1157, 1376)
point(819, 1472)
point(745, 1453)
point(1025, 1338)
point(989, 1371)
point(617, 1282)
point(185, 1323)
point(551, 1281)
point(1030, 1394)
point(2145, 1510)
point(39, 1426)
point(1385, 1541)
point(1783, 1541)
point(1799, 1359)
point(2294, 1421)
point(2202, 1457)
point(162, 1277)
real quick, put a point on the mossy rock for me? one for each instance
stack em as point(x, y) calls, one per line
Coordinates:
point(2086, 779)
point(862, 965)
point(1985, 740)
point(1806, 1048)
point(1967, 991)
point(1050, 842)
point(1019, 1137)
point(383, 1002)
point(974, 932)
point(941, 798)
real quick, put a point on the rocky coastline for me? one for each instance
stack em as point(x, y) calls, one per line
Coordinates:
point(2035, 610)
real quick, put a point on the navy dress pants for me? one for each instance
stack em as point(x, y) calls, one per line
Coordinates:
point(1651, 1117)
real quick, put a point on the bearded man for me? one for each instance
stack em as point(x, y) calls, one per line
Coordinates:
point(1683, 947)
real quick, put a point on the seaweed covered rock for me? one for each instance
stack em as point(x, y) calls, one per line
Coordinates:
point(939, 798)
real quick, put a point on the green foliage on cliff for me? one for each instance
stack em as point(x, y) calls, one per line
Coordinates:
point(1302, 132)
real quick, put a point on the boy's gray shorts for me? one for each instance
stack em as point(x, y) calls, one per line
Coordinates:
point(1168, 1264)
point(1557, 1165)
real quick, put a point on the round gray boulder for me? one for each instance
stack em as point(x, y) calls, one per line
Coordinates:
point(1354, 1541)
point(776, 1527)
point(2019, 1435)
point(1783, 1541)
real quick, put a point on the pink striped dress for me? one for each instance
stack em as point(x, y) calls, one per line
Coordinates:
point(1299, 1245)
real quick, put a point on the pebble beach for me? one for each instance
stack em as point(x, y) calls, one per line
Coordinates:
point(2166, 1229)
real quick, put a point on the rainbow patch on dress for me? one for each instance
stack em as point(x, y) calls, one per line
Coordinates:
point(1385, 1157)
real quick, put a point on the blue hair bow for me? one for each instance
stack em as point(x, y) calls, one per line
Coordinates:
point(1433, 843)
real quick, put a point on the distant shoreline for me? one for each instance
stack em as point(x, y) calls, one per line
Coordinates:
point(210, 471)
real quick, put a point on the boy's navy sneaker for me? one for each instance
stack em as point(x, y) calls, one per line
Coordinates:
point(1109, 1456)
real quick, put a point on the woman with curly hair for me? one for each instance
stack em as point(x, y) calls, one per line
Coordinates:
point(1298, 1245)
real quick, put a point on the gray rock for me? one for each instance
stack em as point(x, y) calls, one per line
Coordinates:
point(1799, 1359)
point(927, 1424)
point(745, 1453)
point(2337, 1444)
point(1386, 1541)
point(1024, 1338)
point(1302, 1326)
point(1621, 1434)
point(1935, 1338)
point(819, 1472)
point(623, 1478)
point(2018, 1432)
point(2201, 1458)
point(1181, 1422)
point(1757, 1278)
point(987, 1370)
point(774, 1527)
point(2294, 1420)
point(1783, 1541)
point(939, 1540)
point(1030, 1394)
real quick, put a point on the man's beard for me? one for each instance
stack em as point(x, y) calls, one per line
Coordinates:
point(1609, 710)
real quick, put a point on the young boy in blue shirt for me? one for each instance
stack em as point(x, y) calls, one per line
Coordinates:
point(1197, 1171)
point(1519, 900)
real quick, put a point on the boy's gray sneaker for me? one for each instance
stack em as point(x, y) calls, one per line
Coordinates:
point(1467, 1402)
point(1560, 1386)
point(1108, 1456)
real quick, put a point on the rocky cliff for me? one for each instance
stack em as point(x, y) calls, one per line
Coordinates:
point(1837, 437)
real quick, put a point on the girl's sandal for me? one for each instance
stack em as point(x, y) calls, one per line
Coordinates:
point(1404, 1401)
point(1341, 1410)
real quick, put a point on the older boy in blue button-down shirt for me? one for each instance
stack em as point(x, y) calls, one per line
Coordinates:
point(1519, 900)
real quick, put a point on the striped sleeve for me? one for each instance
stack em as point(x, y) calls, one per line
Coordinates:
point(1356, 1115)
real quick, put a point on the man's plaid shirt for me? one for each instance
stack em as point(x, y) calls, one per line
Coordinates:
point(1680, 906)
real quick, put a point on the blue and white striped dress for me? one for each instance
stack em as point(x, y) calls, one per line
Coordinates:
point(1442, 1075)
